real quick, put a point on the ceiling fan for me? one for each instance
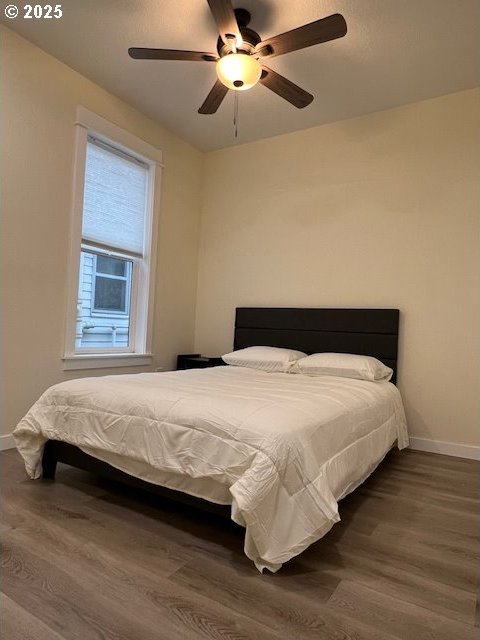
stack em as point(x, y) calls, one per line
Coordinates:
point(241, 54)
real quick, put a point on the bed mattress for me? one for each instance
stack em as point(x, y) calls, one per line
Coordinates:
point(281, 448)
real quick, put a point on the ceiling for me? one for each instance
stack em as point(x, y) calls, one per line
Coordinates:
point(395, 52)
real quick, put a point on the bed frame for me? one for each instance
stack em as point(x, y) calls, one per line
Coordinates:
point(372, 332)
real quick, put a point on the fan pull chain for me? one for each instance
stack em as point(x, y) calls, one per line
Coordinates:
point(235, 113)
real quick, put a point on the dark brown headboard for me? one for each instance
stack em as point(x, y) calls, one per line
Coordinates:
point(371, 332)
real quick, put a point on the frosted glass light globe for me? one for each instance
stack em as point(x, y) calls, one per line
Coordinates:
point(239, 71)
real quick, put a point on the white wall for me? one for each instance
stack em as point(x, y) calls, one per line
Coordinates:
point(39, 100)
point(378, 211)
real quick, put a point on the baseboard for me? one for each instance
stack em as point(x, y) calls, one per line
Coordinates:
point(7, 442)
point(446, 448)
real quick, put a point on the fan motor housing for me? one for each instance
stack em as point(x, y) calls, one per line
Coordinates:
point(250, 40)
point(249, 36)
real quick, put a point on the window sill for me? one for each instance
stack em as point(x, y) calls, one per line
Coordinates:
point(106, 360)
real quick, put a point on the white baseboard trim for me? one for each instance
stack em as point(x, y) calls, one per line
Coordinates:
point(7, 442)
point(446, 448)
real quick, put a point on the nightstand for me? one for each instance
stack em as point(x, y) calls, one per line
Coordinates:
point(197, 361)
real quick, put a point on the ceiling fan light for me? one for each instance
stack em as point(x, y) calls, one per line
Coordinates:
point(239, 71)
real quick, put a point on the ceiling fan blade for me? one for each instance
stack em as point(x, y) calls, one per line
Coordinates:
point(285, 88)
point(323, 30)
point(225, 19)
point(139, 53)
point(214, 98)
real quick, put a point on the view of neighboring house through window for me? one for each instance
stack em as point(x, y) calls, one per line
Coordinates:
point(112, 279)
point(114, 229)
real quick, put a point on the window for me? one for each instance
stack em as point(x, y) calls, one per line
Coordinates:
point(112, 247)
point(112, 282)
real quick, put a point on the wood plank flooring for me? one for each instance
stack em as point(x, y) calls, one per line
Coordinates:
point(87, 559)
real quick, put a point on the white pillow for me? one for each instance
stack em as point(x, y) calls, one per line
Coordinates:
point(346, 365)
point(265, 358)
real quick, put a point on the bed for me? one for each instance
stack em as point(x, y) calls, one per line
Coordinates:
point(278, 451)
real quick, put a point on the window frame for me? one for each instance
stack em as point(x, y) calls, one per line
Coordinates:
point(89, 124)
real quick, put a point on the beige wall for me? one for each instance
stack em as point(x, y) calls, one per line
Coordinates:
point(39, 100)
point(377, 211)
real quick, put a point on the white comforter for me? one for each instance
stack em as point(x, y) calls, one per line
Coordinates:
point(283, 447)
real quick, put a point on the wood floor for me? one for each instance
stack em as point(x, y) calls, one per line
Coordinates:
point(85, 559)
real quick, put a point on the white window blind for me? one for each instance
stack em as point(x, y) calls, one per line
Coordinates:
point(115, 198)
